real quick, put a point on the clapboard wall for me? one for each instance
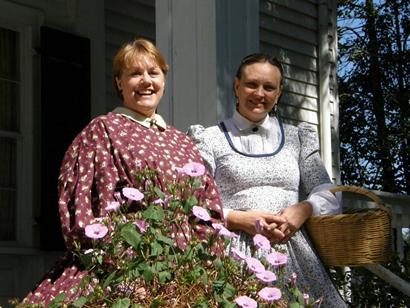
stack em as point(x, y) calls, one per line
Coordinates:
point(302, 35)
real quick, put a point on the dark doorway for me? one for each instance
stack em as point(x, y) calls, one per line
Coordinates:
point(65, 110)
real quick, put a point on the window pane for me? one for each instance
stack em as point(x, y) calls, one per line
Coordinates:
point(7, 189)
point(7, 215)
point(9, 54)
point(7, 163)
point(9, 105)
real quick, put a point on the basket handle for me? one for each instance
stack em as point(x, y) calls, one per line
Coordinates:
point(361, 191)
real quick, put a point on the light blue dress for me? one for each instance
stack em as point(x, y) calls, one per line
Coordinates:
point(271, 182)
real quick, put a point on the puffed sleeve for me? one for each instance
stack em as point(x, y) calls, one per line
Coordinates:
point(315, 181)
point(312, 170)
point(86, 182)
point(198, 134)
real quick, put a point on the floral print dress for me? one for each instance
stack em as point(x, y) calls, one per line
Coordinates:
point(102, 159)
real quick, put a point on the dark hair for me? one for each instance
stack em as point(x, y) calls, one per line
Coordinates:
point(259, 58)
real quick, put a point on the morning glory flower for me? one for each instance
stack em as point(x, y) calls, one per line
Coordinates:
point(223, 231)
point(246, 302)
point(194, 169)
point(201, 213)
point(266, 276)
point(237, 254)
point(261, 242)
point(305, 298)
point(132, 193)
point(96, 231)
point(254, 265)
point(112, 206)
point(270, 294)
point(293, 278)
point(142, 225)
point(277, 258)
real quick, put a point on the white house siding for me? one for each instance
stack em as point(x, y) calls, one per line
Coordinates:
point(124, 20)
point(302, 35)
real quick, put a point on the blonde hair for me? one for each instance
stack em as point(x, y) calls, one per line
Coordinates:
point(126, 55)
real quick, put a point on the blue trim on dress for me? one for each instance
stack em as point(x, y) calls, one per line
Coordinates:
point(228, 138)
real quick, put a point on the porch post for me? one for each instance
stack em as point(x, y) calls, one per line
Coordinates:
point(203, 42)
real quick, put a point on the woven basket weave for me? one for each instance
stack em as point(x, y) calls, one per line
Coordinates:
point(352, 239)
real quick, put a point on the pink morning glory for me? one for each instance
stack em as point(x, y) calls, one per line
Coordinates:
point(223, 231)
point(305, 298)
point(246, 302)
point(277, 258)
point(133, 193)
point(194, 169)
point(112, 206)
point(237, 254)
point(201, 213)
point(142, 225)
point(261, 242)
point(266, 276)
point(270, 294)
point(293, 278)
point(96, 231)
point(254, 265)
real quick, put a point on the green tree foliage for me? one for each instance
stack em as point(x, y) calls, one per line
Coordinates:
point(374, 82)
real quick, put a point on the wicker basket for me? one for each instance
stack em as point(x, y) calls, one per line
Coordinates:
point(352, 239)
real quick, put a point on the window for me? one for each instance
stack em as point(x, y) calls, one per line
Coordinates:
point(10, 134)
point(19, 34)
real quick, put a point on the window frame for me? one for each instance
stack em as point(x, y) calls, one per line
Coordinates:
point(26, 22)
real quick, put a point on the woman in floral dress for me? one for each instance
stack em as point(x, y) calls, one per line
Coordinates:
point(262, 168)
point(105, 155)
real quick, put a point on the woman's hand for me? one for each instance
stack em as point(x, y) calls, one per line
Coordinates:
point(295, 216)
point(253, 222)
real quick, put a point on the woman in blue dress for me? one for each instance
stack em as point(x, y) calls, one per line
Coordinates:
point(262, 168)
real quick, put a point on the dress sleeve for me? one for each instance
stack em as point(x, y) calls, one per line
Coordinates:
point(312, 170)
point(87, 181)
point(315, 180)
point(198, 134)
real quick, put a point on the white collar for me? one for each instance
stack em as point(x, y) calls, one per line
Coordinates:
point(141, 119)
point(243, 123)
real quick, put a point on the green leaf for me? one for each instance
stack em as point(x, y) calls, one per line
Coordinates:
point(148, 274)
point(196, 184)
point(109, 279)
point(130, 235)
point(189, 203)
point(57, 301)
point(156, 303)
point(159, 193)
point(156, 249)
point(154, 212)
point(229, 291)
point(79, 302)
point(164, 276)
point(121, 303)
point(164, 239)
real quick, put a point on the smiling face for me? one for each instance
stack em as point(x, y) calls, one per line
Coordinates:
point(257, 90)
point(142, 85)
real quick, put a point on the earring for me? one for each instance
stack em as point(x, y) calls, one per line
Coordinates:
point(237, 104)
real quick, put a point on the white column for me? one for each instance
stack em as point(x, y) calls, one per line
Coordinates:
point(203, 41)
point(324, 89)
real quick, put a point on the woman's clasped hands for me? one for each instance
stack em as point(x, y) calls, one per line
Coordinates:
point(278, 228)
